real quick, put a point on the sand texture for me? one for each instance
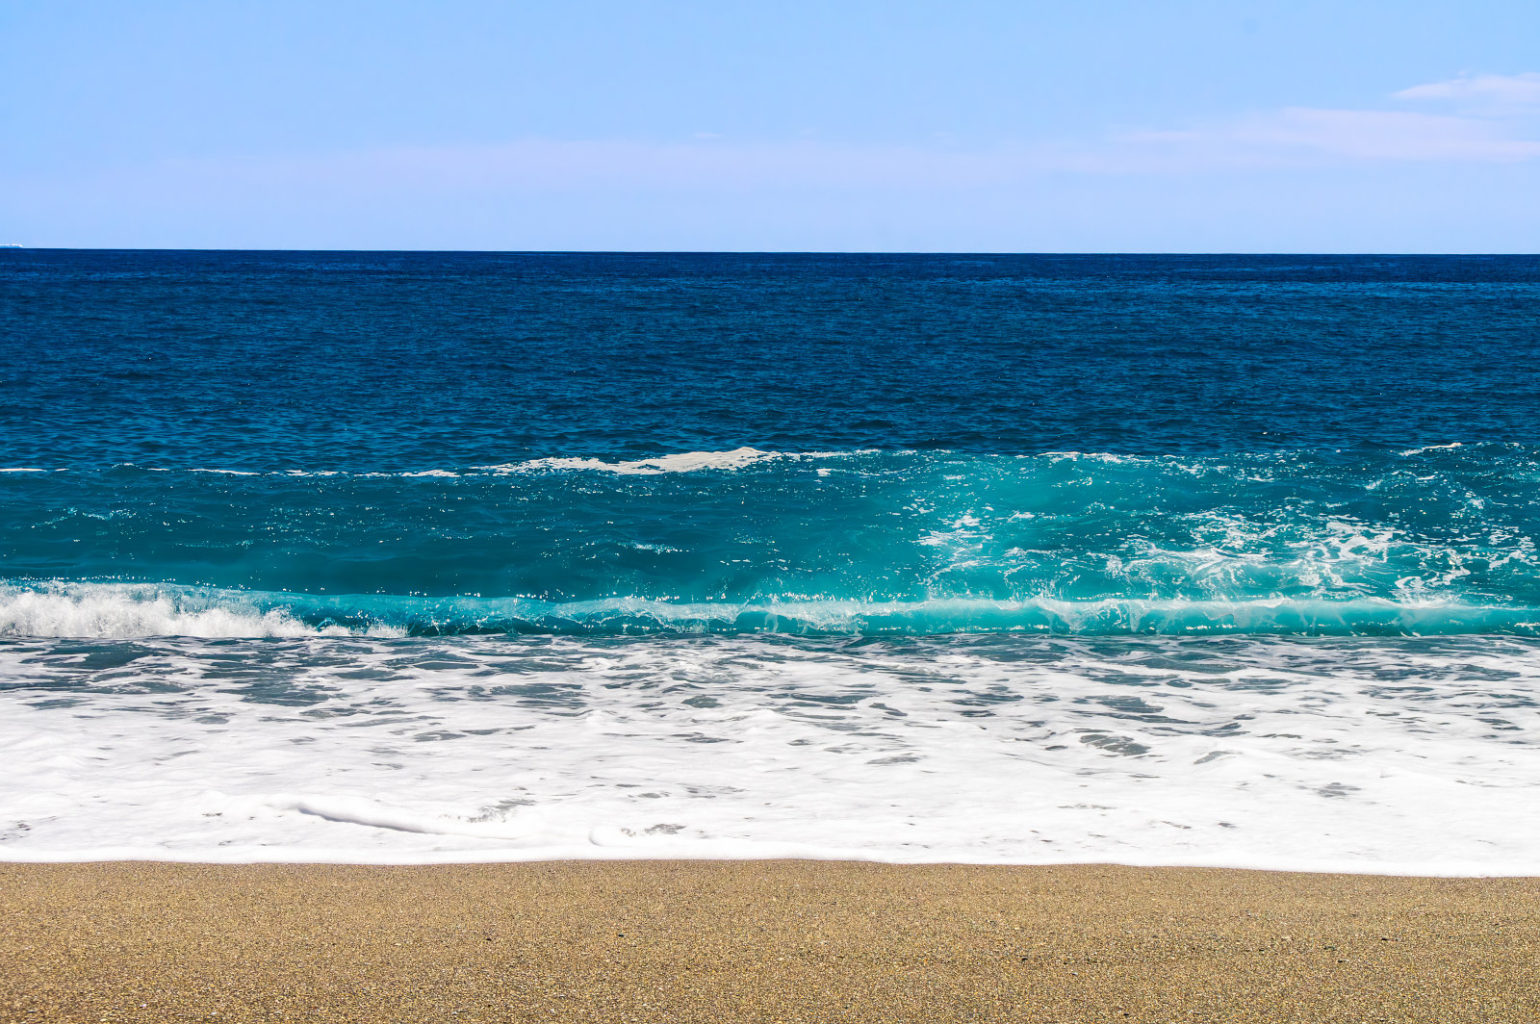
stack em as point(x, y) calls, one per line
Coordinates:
point(759, 941)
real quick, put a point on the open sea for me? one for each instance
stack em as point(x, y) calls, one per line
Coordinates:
point(411, 557)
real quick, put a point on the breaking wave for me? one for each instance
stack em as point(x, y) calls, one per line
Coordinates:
point(1433, 540)
point(120, 611)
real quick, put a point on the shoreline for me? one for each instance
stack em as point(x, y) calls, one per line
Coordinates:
point(767, 940)
point(750, 853)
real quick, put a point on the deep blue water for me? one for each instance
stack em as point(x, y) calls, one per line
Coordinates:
point(1070, 444)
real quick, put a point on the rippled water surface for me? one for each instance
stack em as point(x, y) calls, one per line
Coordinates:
point(437, 556)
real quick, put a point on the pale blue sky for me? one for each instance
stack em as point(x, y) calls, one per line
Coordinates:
point(983, 126)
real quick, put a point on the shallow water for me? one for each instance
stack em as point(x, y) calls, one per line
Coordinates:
point(1383, 752)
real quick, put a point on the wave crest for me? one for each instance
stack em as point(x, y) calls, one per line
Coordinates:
point(681, 462)
point(126, 611)
point(119, 611)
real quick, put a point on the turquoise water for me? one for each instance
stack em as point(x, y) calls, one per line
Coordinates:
point(1220, 559)
point(1436, 540)
point(461, 443)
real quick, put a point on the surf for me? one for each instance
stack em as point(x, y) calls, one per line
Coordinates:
point(125, 611)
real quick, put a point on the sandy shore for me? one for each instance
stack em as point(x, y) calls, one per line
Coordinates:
point(785, 941)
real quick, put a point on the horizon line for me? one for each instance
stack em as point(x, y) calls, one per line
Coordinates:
point(19, 247)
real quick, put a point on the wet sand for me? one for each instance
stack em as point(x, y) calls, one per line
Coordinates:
point(759, 941)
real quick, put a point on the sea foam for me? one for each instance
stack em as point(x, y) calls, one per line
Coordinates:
point(124, 611)
point(118, 611)
point(1366, 755)
point(681, 462)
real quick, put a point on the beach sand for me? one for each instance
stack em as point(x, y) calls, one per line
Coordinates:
point(745, 940)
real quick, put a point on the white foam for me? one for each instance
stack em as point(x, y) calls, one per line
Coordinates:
point(125, 611)
point(1108, 458)
point(682, 462)
point(1432, 448)
point(122, 611)
point(1358, 755)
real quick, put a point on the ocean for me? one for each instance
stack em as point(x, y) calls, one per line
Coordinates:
point(416, 557)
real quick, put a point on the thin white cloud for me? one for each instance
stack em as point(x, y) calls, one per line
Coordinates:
point(1486, 120)
point(576, 165)
point(1296, 137)
point(1386, 135)
point(692, 170)
point(1520, 90)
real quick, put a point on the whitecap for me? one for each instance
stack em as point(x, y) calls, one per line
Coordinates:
point(681, 462)
point(122, 611)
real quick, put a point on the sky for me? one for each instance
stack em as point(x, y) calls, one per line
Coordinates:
point(843, 125)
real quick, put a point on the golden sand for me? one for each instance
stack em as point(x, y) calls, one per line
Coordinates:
point(760, 941)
